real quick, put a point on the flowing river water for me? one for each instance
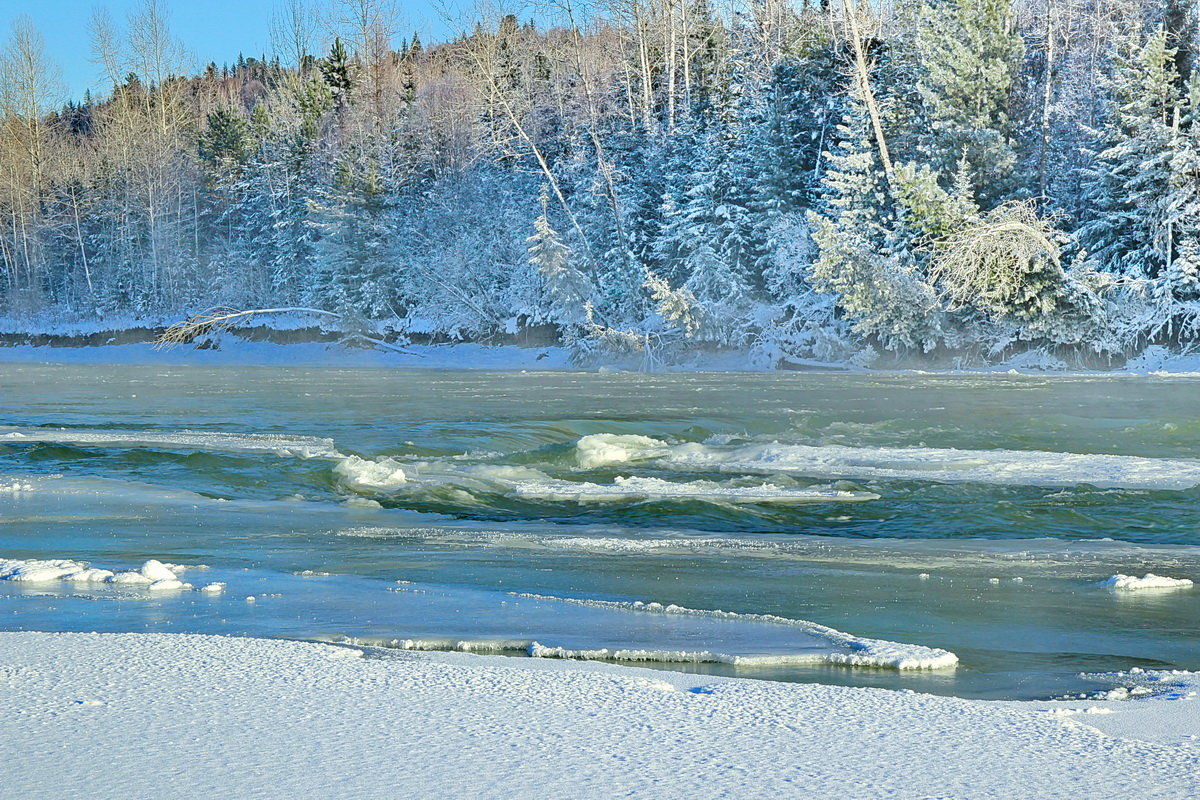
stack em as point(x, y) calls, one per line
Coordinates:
point(853, 528)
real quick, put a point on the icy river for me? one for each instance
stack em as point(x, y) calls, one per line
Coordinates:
point(947, 534)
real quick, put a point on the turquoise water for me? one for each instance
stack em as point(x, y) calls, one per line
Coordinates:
point(744, 496)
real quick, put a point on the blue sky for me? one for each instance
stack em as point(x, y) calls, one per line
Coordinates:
point(212, 30)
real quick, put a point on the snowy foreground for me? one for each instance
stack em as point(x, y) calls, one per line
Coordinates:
point(171, 715)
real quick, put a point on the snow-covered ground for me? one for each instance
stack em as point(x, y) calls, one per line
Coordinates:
point(172, 715)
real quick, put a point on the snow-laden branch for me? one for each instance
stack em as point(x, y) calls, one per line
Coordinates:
point(221, 318)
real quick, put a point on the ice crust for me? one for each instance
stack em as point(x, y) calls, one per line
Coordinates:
point(948, 465)
point(855, 651)
point(296, 446)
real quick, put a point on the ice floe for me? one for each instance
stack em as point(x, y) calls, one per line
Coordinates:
point(186, 440)
point(849, 649)
point(153, 575)
point(1148, 582)
point(601, 449)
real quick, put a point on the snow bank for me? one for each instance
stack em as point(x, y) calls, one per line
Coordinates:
point(1148, 582)
point(153, 575)
point(170, 715)
point(1005, 467)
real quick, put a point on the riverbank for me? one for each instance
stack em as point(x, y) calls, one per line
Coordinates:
point(234, 351)
point(165, 715)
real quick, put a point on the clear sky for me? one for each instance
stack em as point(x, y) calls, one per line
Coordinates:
point(212, 30)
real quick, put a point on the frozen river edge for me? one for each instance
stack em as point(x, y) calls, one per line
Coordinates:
point(169, 715)
point(236, 352)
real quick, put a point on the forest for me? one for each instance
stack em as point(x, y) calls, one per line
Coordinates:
point(835, 182)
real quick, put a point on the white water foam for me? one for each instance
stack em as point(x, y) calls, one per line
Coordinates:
point(365, 475)
point(856, 651)
point(601, 449)
point(635, 489)
point(948, 465)
point(389, 476)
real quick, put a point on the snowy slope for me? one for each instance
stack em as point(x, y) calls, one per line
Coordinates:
point(168, 715)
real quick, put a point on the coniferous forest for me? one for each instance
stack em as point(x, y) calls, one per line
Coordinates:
point(967, 179)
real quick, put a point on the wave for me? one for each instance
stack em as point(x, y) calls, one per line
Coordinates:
point(388, 476)
point(947, 465)
point(634, 489)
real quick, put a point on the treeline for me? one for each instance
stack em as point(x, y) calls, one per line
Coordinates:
point(835, 181)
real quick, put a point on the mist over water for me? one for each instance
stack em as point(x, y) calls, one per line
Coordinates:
point(971, 514)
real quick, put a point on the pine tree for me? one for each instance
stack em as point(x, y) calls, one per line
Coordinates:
point(339, 72)
point(226, 143)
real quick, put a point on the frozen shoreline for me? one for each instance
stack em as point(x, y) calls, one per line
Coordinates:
point(469, 355)
point(164, 715)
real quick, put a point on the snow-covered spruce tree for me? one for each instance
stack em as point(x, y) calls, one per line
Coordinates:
point(284, 178)
point(353, 271)
point(1177, 291)
point(970, 53)
point(709, 241)
point(566, 290)
point(864, 251)
point(1126, 230)
point(234, 211)
point(800, 110)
